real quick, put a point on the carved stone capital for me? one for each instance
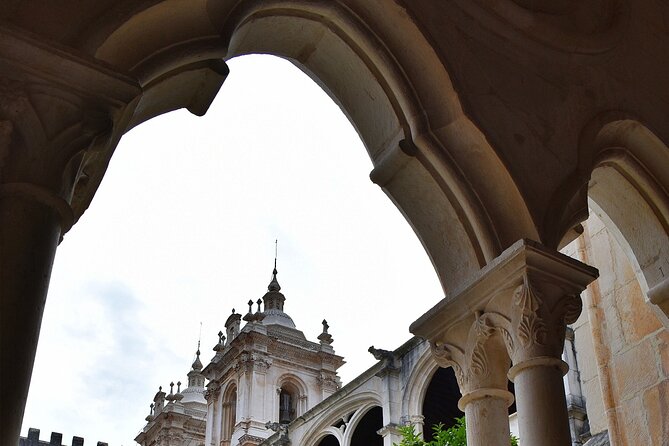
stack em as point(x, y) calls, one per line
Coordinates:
point(328, 381)
point(212, 393)
point(540, 311)
point(252, 362)
point(476, 350)
point(521, 303)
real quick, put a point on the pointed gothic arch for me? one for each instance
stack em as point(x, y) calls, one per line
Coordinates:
point(364, 425)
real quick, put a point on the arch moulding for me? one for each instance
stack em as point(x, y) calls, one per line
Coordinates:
point(629, 191)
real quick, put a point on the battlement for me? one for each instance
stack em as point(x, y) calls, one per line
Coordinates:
point(56, 440)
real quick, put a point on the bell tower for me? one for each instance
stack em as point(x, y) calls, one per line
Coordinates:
point(266, 373)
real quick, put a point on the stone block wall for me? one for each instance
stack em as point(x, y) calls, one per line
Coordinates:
point(622, 347)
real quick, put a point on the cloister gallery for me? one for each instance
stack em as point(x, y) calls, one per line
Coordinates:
point(493, 126)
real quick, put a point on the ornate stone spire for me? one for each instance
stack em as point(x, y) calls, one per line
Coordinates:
point(197, 364)
point(194, 393)
point(274, 299)
point(274, 284)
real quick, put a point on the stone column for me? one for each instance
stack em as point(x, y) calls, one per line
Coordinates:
point(476, 351)
point(541, 309)
point(525, 297)
point(30, 227)
point(55, 110)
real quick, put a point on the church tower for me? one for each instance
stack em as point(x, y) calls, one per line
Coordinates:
point(266, 373)
point(178, 418)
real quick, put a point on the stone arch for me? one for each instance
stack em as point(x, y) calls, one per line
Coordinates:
point(330, 437)
point(363, 426)
point(344, 409)
point(629, 191)
point(428, 156)
point(420, 381)
point(414, 393)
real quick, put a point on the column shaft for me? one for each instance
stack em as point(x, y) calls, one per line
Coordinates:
point(542, 407)
point(29, 235)
point(487, 422)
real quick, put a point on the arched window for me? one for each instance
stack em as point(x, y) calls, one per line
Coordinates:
point(288, 396)
point(229, 415)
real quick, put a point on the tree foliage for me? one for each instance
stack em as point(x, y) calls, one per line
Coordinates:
point(453, 436)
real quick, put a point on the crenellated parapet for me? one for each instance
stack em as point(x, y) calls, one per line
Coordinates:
point(33, 439)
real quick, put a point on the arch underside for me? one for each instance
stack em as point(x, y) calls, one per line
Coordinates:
point(429, 158)
point(628, 192)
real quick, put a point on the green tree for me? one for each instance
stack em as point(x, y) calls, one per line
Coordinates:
point(453, 436)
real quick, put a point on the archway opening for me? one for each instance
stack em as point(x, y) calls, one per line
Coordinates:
point(329, 440)
point(365, 433)
point(614, 340)
point(441, 401)
point(157, 268)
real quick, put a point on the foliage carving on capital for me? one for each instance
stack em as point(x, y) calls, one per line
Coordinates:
point(480, 359)
point(485, 326)
point(541, 311)
point(448, 355)
point(531, 327)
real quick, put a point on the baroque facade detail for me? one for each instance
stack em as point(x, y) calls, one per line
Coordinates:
point(262, 376)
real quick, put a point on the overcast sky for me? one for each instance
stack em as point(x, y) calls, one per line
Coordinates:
point(182, 230)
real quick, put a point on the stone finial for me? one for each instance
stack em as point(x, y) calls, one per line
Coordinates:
point(248, 317)
point(259, 315)
point(170, 396)
point(221, 341)
point(150, 416)
point(325, 337)
point(178, 396)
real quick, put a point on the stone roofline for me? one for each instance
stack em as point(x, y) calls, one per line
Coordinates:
point(56, 439)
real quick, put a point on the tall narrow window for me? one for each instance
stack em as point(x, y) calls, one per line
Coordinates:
point(288, 399)
point(229, 415)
